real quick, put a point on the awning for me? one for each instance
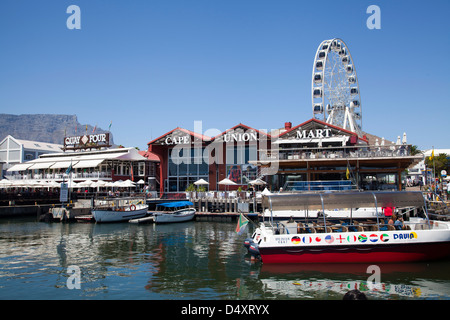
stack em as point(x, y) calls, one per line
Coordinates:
point(339, 200)
point(20, 167)
point(63, 164)
point(88, 163)
point(41, 165)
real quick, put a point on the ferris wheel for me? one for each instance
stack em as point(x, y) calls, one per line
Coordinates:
point(335, 90)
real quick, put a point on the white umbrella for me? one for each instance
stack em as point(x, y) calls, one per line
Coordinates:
point(257, 182)
point(85, 183)
point(53, 184)
point(227, 182)
point(200, 182)
point(128, 184)
point(266, 192)
point(5, 183)
point(141, 182)
point(404, 138)
point(100, 183)
point(398, 141)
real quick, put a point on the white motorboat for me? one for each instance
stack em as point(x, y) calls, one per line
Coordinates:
point(178, 211)
point(348, 241)
point(119, 209)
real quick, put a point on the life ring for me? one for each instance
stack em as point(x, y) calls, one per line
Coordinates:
point(132, 207)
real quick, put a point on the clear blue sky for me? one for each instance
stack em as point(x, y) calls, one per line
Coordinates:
point(152, 65)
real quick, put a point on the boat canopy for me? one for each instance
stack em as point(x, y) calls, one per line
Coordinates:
point(340, 200)
point(175, 204)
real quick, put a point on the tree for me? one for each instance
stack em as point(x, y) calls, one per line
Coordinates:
point(438, 163)
point(415, 150)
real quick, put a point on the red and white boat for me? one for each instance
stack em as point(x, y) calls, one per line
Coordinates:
point(350, 241)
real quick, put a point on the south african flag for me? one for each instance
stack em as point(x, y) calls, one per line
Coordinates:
point(242, 224)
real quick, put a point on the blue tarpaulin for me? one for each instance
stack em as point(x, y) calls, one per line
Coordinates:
point(175, 204)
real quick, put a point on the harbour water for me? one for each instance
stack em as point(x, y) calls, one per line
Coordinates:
point(186, 261)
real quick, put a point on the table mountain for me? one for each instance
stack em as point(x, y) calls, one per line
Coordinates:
point(44, 127)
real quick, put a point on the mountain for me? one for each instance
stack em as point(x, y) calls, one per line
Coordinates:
point(44, 127)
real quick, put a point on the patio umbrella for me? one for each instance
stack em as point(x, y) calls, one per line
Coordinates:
point(201, 182)
point(258, 182)
point(227, 182)
point(5, 183)
point(141, 182)
point(128, 184)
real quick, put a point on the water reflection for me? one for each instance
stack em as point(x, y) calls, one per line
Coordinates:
point(193, 260)
point(332, 281)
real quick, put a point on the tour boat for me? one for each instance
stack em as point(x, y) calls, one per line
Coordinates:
point(119, 209)
point(178, 211)
point(322, 240)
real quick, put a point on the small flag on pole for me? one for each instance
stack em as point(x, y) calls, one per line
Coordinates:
point(432, 155)
point(109, 128)
point(69, 169)
point(242, 224)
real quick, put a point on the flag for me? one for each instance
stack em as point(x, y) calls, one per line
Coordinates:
point(242, 224)
point(347, 174)
point(109, 128)
point(69, 169)
point(94, 129)
point(432, 155)
point(86, 128)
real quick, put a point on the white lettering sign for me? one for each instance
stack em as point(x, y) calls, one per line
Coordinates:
point(239, 137)
point(317, 133)
point(178, 140)
point(92, 138)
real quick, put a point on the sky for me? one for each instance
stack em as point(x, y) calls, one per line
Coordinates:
point(149, 66)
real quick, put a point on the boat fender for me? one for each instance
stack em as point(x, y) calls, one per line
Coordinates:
point(132, 207)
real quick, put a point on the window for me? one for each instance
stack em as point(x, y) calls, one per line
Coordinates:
point(184, 170)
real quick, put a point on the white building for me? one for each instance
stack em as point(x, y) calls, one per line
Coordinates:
point(14, 151)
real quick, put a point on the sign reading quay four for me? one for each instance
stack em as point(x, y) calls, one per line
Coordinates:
point(87, 141)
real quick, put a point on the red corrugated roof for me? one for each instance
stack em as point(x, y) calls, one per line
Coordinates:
point(149, 155)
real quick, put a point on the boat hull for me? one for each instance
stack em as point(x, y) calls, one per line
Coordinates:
point(352, 247)
point(119, 216)
point(161, 217)
point(356, 254)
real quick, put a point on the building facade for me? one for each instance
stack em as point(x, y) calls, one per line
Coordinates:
point(311, 151)
point(14, 151)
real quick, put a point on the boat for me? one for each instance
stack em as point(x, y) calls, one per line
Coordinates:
point(322, 240)
point(178, 211)
point(119, 209)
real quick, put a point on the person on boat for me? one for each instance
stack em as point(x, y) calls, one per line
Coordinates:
point(398, 224)
point(392, 220)
point(388, 211)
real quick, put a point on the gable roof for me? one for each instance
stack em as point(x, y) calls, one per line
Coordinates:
point(244, 127)
point(181, 130)
point(311, 123)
